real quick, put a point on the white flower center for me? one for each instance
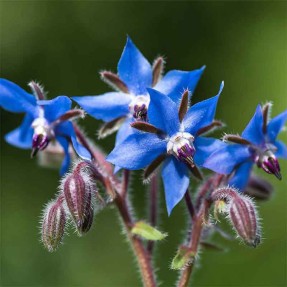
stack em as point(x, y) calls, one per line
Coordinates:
point(138, 107)
point(181, 146)
point(41, 127)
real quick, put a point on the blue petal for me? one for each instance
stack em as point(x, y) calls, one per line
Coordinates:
point(204, 147)
point(275, 126)
point(201, 114)
point(107, 107)
point(224, 160)
point(67, 158)
point(15, 99)
point(175, 82)
point(176, 181)
point(53, 109)
point(66, 130)
point(134, 69)
point(22, 136)
point(124, 131)
point(137, 151)
point(163, 112)
point(254, 130)
point(281, 149)
point(241, 175)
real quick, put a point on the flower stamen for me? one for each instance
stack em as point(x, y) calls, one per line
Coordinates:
point(181, 146)
point(138, 108)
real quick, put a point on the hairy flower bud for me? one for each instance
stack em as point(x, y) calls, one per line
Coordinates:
point(259, 188)
point(243, 217)
point(78, 196)
point(53, 225)
point(241, 213)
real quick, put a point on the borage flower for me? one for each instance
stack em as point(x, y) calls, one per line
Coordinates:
point(256, 145)
point(173, 135)
point(45, 120)
point(130, 102)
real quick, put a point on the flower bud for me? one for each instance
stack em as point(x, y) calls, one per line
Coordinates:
point(241, 213)
point(53, 225)
point(78, 196)
point(259, 188)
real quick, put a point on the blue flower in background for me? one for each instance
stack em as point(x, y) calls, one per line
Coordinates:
point(257, 145)
point(44, 121)
point(173, 136)
point(130, 102)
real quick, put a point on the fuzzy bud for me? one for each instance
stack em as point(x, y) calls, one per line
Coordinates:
point(53, 225)
point(241, 213)
point(78, 196)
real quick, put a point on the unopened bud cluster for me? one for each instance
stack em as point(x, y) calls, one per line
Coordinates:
point(75, 203)
point(241, 213)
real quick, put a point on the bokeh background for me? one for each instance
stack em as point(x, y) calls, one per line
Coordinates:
point(64, 46)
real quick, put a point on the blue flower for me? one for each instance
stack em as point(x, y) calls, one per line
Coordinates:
point(257, 145)
point(130, 102)
point(173, 136)
point(44, 121)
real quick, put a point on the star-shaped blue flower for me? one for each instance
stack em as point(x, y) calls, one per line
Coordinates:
point(258, 145)
point(44, 121)
point(130, 102)
point(173, 137)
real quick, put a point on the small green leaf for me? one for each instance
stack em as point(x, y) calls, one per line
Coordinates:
point(147, 232)
point(182, 258)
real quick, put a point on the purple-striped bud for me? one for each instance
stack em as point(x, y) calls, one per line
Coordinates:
point(243, 217)
point(53, 225)
point(78, 196)
point(259, 188)
point(241, 213)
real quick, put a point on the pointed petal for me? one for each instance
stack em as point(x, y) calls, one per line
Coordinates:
point(204, 147)
point(254, 130)
point(134, 69)
point(275, 126)
point(107, 107)
point(175, 82)
point(163, 112)
point(176, 181)
point(66, 130)
point(241, 176)
point(281, 149)
point(201, 114)
point(67, 158)
point(137, 151)
point(56, 107)
point(22, 136)
point(15, 99)
point(225, 159)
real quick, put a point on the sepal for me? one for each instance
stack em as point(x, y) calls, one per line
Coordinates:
point(147, 232)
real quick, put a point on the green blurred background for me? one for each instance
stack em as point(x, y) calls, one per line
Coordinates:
point(64, 45)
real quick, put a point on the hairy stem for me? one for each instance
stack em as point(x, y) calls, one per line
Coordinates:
point(120, 200)
point(189, 204)
point(153, 209)
point(198, 216)
point(125, 183)
point(146, 269)
point(197, 226)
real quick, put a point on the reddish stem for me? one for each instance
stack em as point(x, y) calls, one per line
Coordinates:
point(118, 193)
